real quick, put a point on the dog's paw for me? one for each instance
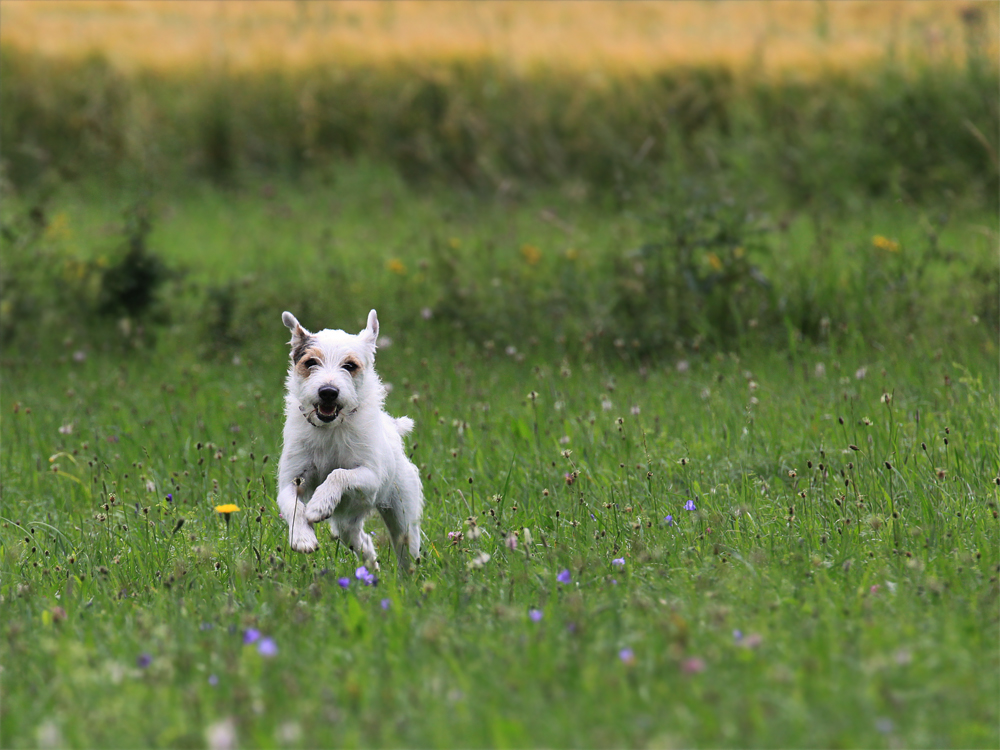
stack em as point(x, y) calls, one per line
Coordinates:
point(320, 507)
point(303, 539)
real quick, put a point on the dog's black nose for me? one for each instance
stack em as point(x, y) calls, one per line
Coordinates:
point(328, 393)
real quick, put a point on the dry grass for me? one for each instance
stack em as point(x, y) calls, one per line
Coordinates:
point(770, 36)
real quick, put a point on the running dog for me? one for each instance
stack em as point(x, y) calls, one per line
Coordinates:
point(343, 456)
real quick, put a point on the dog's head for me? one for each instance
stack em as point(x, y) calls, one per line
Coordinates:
point(331, 370)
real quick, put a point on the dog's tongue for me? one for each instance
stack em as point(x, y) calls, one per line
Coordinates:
point(326, 410)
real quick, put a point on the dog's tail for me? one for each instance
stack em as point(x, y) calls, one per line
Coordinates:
point(404, 425)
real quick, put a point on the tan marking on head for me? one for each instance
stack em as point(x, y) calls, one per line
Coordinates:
point(352, 360)
point(301, 367)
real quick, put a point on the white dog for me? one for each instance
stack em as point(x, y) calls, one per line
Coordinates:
point(343, 455)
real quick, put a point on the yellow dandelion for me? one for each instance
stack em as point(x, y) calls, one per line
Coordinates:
point(227, 510)
point(396, 266)
point(531, 254)
point(58, 229)
point(714, 262)
point(884, 243)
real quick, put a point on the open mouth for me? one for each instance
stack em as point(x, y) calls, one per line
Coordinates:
point(327, 412)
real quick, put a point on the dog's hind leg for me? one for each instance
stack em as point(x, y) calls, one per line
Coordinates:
point(400, 534)
point(352, 532)
point(401, 512)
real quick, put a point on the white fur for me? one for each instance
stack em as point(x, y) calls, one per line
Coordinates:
point(343, 456)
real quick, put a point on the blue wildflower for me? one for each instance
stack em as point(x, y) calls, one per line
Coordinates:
point(251, 635)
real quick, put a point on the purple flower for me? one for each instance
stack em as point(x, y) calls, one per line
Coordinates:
point(619, 561)
point(344, 582)
point(365, 577)
point(267, 647)
point(737, 635)
point(694, 665)
point(627, 655)
point(535, 615)
point(564, 576)
point(213, 680)
point(206, 626)
point(689, 505)
point(386, 603)
point(144, 660)
point(250, 635)
point(669, 520)
point(170, 497)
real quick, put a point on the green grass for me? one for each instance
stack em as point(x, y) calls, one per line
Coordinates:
point(851, 540)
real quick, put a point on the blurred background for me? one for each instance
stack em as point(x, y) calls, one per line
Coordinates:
point(634, 177)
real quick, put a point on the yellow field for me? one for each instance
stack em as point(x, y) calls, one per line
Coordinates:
point(592, 35)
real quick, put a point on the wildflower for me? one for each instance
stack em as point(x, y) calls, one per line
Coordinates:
point(570, 478)
point(683, 366)
point(362, 574)
point(250, 635)
point(531, 254)
point(535, 615)
point(66, 429)
point(511, 541)
point(478, 561)
point(669, 520)
point(213, 680)
point(737, 635)
point(426, 313)
point(689, 505)
point(170, 497)
point(694, 665)
point(635, 411)
point(267, 647)
point(606, 404)
point(564, 576)
point(344, 582)
point(144, 660)
point(386, 603)
point(627, 656)
point(884, 243)
point(884, 725)
point(221, 735)
point(396, 266)
point(226, 511)
point(619, 562)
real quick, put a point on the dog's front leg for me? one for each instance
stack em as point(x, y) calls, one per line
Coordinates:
point(301, 536)
point(327, 496)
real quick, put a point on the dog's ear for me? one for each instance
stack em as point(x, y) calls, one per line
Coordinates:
point(371, 331)
point(299, 334)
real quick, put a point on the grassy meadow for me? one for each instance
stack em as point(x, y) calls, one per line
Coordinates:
point(698, 323)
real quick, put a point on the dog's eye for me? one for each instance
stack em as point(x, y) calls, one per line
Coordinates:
point(350, 366)
point(310, 363)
